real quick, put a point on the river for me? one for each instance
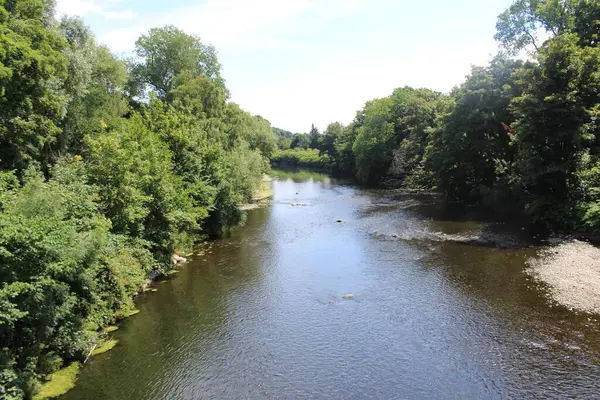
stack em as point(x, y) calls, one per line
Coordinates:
point(441, 309)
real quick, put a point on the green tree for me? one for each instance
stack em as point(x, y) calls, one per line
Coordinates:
point(56, 263)
point(140, 193)
point(471, 154)
point(300, 140)
point(94, 86)
point(315, 137)
point(32, 72)
point(520, 25)
point(375, 141)
point(555, 120)
point(333, 131)
point(165, 53)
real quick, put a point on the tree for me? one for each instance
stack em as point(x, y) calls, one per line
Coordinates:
point(284, 138)
point(165, 53)
point(300, 140)
point(415, 113)
point(517, 27)
point(140, 193)
point(58, 273)
point(471, 153)
point(93, 86)
point(587, 23)
point(520, 25)
point(32, 72)
point(331, 134)
point(314, 137)
point(374, 141)
point(556, 116)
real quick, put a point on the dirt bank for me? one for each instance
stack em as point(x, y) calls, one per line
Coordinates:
point(572, 272)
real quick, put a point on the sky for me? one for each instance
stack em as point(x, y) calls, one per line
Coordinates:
point(299, 62)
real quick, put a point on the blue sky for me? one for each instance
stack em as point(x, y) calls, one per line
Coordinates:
point(297, 62)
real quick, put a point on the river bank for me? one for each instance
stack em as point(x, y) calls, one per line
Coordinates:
point(571, 270)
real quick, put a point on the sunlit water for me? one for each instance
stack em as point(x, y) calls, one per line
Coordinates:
point(441, 310)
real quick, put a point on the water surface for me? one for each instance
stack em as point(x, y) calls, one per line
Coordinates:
point(441, 309)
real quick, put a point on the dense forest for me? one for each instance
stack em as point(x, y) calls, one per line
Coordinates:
point(110, 166)
point(516, 135)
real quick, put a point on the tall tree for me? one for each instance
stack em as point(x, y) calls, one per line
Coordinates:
point(32, 72)
point(471, 152)
point(523, 23)
point(314, 136)
point(164, 53)
point(93, 86)
point(555, 119)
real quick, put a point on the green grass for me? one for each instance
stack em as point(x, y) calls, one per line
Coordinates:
point(59, 382)
point(106, 346)
point(122, 314)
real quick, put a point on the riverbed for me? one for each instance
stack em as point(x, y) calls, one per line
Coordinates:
point(332, 292)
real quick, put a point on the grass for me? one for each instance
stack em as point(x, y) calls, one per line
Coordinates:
point(122, 314)
point(298, 175)
point(59, 382)
point(106, 346)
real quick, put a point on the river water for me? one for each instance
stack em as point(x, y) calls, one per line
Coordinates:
point(441, 309)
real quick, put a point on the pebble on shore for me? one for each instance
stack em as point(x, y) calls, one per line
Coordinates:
point(572, 272)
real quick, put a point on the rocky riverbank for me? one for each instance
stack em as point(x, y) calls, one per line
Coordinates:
point(572, 272)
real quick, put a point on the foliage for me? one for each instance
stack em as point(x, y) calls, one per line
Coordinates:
point(139, 191)
point(308, 158)
point(32, 69)
point(284, 138)
point(393, 133)
point(556, 117)
point(165, 53)
point(97, 188)
point(56, 256)
point(470, 151)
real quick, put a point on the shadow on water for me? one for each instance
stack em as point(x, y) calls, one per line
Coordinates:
point(447, 222)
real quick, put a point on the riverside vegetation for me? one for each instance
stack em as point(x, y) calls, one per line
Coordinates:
point(110, 166)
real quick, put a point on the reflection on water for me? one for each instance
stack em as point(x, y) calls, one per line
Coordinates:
point(441, 309)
